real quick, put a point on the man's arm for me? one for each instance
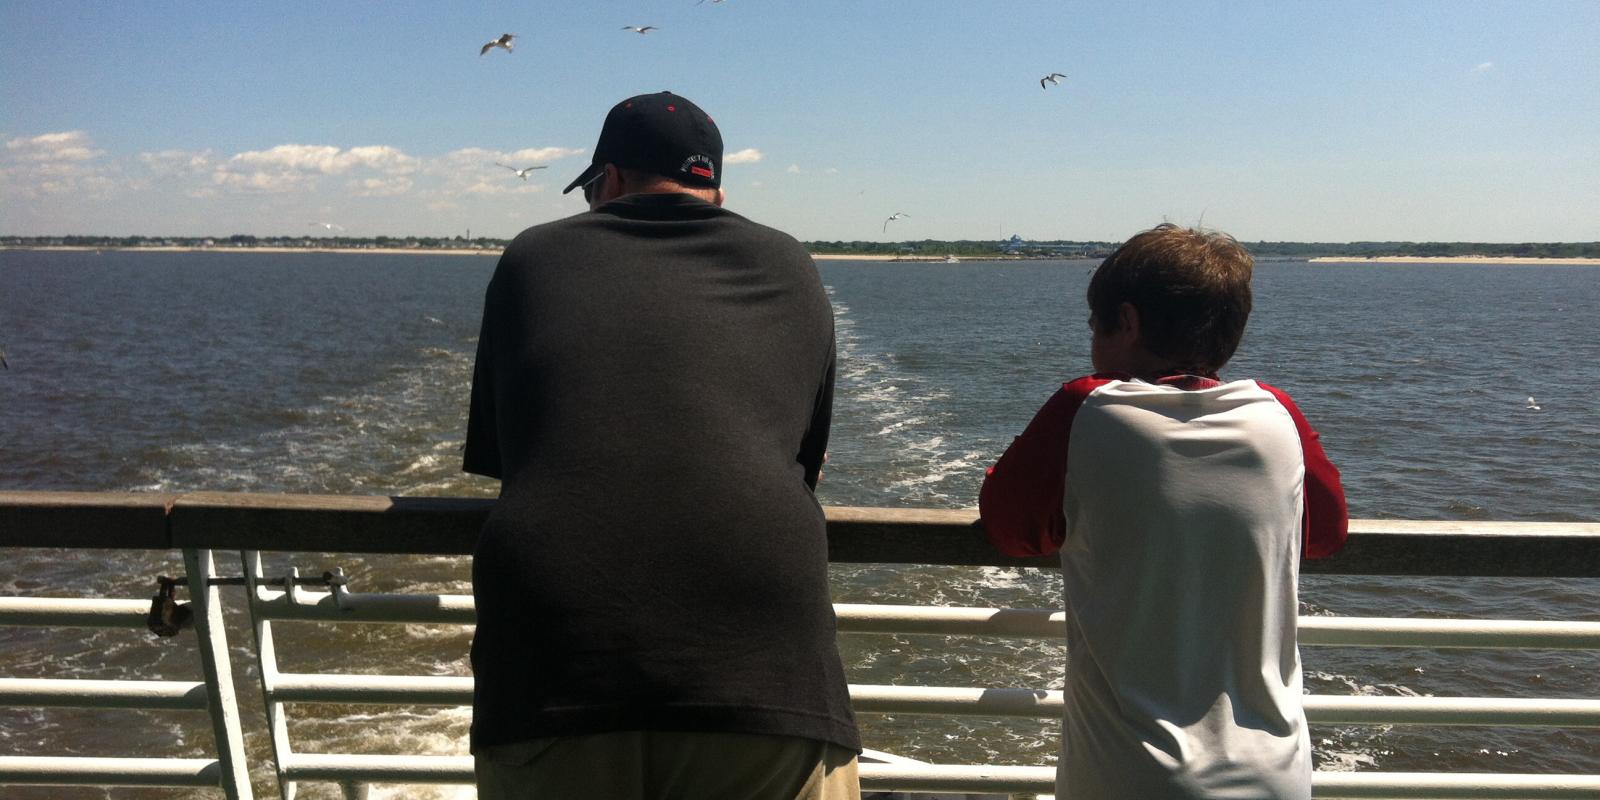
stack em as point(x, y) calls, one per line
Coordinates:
point(482, 450)
point(1021, 499)
point(814, 445)
point(1327, 519)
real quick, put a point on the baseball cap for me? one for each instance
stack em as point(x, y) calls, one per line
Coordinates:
point(663, 134)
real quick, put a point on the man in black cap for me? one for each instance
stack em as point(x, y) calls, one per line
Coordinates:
point(653, 388)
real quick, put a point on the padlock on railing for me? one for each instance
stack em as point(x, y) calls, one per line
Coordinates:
point(167, 615)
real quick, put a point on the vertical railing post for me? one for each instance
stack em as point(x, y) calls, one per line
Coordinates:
point(267, 665)
point(206, 602)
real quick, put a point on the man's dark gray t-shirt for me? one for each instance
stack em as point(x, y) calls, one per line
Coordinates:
point(653, 387)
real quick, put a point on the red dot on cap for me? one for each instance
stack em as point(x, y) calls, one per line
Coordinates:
point(672, 108)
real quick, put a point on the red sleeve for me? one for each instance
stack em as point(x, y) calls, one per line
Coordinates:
point(1022, 493)
point(1327, 520)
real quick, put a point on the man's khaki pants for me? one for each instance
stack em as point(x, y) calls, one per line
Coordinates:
point(668, 765)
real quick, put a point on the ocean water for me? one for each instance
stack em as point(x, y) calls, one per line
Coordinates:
point(333, 373)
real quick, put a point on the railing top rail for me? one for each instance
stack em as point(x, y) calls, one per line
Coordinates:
point(449, 525)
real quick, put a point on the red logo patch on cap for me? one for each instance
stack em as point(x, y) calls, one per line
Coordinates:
point(700, 166)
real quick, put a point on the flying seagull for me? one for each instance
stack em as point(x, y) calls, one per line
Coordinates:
point(503, 41)
point(329, 226)
point(702, 2)
point(521, 173)
point(896, 215)
point(1052, 79)
point(1533, 405)
point(640, 30)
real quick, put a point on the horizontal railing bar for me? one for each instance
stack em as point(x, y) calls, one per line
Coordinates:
point(992, 702)
point(85, 519)
point(76, 693)
point(1453, 786)
point(73, 612)
point(432, 690)
point(70, 771)
point(1449, 633)
point(363, 768)
point(1487, 711)
point(312, 605)
point(1034, 623)
point(910, 777)
point(449, 525)
point(964, 621)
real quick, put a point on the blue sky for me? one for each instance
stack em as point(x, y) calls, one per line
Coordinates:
point(1278, 121)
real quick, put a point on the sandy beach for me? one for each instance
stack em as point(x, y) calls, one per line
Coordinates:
point(1451, 260)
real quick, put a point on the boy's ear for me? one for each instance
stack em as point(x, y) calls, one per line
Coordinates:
point(1128, 321)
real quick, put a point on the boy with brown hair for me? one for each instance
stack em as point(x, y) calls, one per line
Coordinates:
point(1180, 505)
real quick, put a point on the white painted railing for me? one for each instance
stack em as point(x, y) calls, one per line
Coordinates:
point(214, 695)
point(249, 523)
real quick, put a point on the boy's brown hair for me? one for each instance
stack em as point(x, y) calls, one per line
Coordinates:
point(1192, 289)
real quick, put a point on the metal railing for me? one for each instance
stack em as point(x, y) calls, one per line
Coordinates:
point(249, 524)
point(214, 695)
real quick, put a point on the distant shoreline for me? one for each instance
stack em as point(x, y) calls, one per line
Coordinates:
point(384, 251)
point(1450, 260)
point(452, 251)
point(495, 251)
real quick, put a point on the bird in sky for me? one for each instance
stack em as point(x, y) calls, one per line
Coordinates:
point(1051, 79)
point(327, 226)
point(503, 41)
point(641, 30)
point(896, 215)
point(702, 2)
point(521, 173)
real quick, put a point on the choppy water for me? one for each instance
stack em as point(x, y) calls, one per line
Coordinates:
point(349, 374)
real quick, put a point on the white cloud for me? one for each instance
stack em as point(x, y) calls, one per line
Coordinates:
point(176, 162)
point(474, 170)
point(498, 187)
point(381, 187)
point(56, 163)
point(832, 170)
point(262, 181)
point(794, 169)
point(478, 158)
point(749, 155)
point(386, 159)
point(539, 155)
point(326, 159)
point(63, 146)
point(1481, 68)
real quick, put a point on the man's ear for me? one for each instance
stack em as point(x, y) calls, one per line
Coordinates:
point(722, 197)
point(613, 181)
